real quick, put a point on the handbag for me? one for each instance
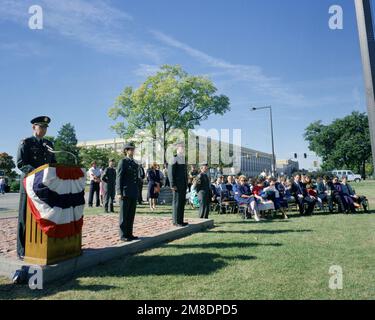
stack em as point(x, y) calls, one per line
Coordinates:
point(157, 189)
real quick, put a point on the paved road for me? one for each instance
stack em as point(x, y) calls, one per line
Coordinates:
point(9, 203)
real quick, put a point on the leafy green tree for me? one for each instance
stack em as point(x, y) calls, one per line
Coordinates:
point(6, 163)
point(343, 144)
point(100, 155)
point(171, 96)
point(50, 138)
point(66, 140)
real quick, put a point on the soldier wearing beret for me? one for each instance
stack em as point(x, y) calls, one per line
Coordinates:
point(32, 153)
point(179, 182)
point(203, 189)
point(127, 184)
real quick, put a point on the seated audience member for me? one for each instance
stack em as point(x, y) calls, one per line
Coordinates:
point(190, 183)
point(324, 193)
point(266, 182)
point(335, 194)
point(214, 195)
point(230, 183)
point(347, 201)
point(221, 189)
point(348, 190)
point(260, 196)
point(313, 194)
point(288, 193)
point(281, 186)
point(243, 196)
point(193, 172)
point(301, 196)
point(258, 187)
point(275, 196)
point(194, 201)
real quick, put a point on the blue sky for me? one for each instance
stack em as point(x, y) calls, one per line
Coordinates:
point(270, 52)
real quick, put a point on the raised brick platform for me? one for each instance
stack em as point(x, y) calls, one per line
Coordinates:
point(100, 241)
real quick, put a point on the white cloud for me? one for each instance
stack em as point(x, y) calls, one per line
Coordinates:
point(92, 23)
point(146, 70)
point(24, 49)
point(234, 73)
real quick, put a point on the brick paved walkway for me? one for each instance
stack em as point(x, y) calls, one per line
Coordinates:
point(98, 231)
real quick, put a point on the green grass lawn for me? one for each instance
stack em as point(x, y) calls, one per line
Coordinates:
point(237, 260)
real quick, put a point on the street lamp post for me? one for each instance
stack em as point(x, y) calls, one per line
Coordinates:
point(272, 139)
point(367, 44)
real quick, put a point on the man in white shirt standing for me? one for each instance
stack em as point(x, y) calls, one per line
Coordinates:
point(94, 175)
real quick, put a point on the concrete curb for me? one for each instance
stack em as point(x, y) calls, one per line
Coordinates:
point(92, 257)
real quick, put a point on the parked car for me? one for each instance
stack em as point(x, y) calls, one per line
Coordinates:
point(349, 174)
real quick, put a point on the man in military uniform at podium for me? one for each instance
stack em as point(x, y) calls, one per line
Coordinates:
point(179, 183)
point(32, 153)
point(127, 184)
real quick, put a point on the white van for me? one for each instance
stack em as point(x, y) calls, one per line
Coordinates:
point(348, 173)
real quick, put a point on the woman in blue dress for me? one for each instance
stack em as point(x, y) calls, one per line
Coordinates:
point(244, 196)
point(154, 184)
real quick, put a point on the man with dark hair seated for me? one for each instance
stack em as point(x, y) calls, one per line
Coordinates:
point(214, 195)
point(347, 204)
point(324, 193)
point(349, 193)
point(335, 194)
point(299, 192)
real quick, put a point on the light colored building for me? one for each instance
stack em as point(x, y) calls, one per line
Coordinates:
point(116, 144)
point(253, 162)
point(286, 167)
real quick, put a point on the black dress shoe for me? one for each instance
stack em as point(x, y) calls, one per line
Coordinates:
point(184, 224)
point(132, 238)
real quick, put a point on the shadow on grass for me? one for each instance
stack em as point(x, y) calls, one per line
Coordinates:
point(188, 264)
point(11, 291)
point(326, 214)
point(251, 221)
point(261, 231)
point(218, 245)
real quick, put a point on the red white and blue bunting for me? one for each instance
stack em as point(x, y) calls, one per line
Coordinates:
point(56, 199)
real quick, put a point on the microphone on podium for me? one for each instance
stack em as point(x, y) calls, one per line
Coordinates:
point(50, 149)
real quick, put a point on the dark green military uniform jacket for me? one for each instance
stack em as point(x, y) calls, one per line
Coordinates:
point(33, 154)
point(203, 183)
point(127, 178)
point(109, 176)
point(178, 176)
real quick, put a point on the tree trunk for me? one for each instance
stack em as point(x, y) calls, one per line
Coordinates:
point(165, 143)
point(364, 170)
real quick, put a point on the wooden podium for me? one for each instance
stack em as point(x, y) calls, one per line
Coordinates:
point(44, 250)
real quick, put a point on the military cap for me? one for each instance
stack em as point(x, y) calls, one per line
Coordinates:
point(42, 121)
point(203, 164)
point(129, 145)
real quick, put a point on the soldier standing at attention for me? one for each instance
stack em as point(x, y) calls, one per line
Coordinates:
point(179, 183)
point(127, 191)
point(142, 175)
point(32, 153)
point(203, 188)
point(109, 177)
